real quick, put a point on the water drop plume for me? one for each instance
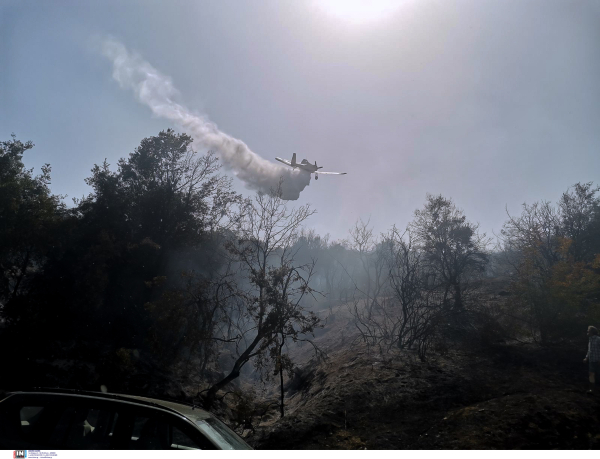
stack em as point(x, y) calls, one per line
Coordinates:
point(157, 91)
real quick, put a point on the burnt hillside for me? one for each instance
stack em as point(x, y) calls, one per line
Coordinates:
point(502, 396)
point(515, 397)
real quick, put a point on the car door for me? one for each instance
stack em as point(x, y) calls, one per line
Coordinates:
point(52, 421)
point(60, 421)
point(143, 428)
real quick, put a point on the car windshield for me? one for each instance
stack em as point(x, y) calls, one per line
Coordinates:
point(222, 435)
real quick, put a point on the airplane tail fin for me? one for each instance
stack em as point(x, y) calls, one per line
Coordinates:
point(294, 159)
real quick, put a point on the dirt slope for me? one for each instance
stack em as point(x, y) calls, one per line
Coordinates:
point(502, 397)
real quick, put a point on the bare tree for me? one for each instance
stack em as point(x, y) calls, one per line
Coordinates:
point(368, 301)
point(271, 310)
point(418, 280)
point(531, 247)
point(406, 310)
point(406, 282)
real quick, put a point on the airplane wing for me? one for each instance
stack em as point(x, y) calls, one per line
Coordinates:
point(284, 161)
point(332, 173)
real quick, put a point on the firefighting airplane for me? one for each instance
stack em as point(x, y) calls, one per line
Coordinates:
point(308, 167)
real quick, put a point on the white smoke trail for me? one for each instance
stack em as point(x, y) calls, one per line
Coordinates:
point(157, 92)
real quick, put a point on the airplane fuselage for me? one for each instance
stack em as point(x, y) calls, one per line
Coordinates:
point(306, 166)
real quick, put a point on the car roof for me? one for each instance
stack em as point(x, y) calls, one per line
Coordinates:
point(192, 412)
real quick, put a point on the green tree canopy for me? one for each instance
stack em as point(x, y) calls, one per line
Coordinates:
point(28, 217)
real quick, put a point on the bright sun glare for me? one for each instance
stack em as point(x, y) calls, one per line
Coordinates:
point(359, 11)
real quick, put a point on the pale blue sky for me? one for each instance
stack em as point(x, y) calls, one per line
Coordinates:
point(489, 102)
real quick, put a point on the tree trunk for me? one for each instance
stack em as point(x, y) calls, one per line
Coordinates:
point(281, 388)
point(458, 303)
point(235, 372)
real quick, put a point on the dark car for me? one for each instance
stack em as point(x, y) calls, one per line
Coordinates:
point(90, 420)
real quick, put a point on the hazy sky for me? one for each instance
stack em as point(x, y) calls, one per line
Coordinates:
point(491, 103)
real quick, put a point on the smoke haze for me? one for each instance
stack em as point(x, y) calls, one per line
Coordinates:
point(156, 91)
point(491, 103)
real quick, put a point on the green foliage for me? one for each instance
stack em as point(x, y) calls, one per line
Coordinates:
point(164, 192)
point(163, 198)
point(453, 249)
point(579, 210)
point(29, 215)
point(91, 269)
point(186, 322)
point(552, 252)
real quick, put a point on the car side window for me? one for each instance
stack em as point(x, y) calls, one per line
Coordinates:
point(58, 430)
point(159, 432)
point(29, 416)
point(103, 423)
point(66, 426)
point(23, 425)
point(42, 421)
point(90, 428)
point(39, 423)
